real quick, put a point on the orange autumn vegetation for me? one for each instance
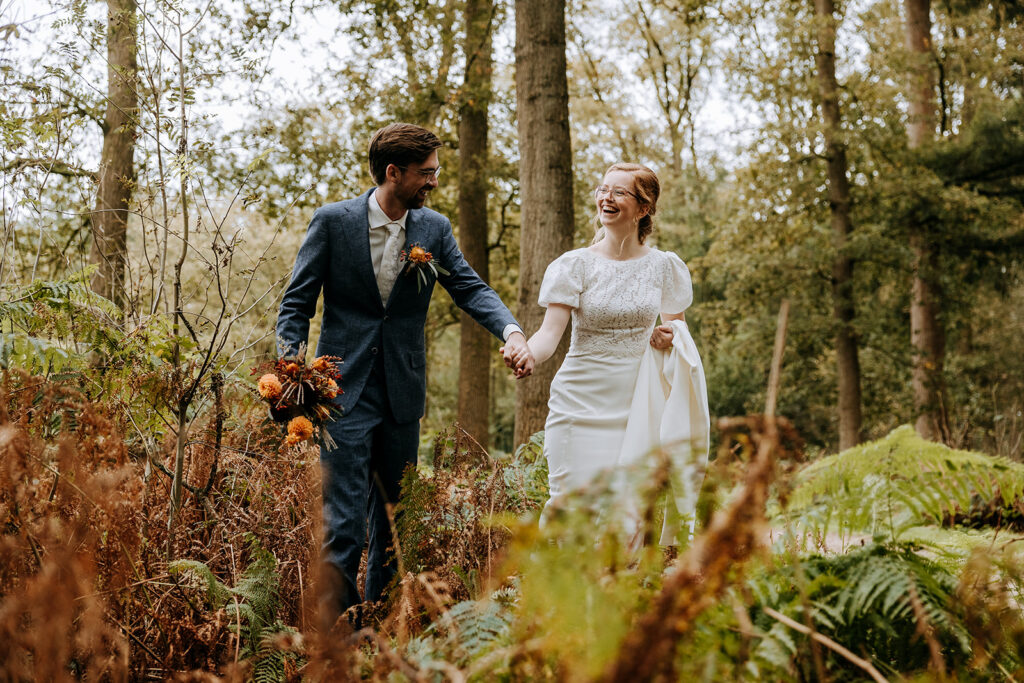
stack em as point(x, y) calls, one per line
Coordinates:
point(83, 563)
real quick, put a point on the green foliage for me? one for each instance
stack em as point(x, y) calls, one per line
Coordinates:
point(465, 632)
point(889, 486)
point(51, 325)
point(573, 590)
point(863, 600)
point(580, 587)
point(988, 157)
point(526, 474)
point(216, 593)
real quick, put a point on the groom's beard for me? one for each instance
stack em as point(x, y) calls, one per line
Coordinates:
point(417, 198)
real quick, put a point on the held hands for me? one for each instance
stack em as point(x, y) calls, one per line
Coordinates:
point(661, 337)
point(517, 355)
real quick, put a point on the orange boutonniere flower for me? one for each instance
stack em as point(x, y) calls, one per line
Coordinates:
point(419, 260)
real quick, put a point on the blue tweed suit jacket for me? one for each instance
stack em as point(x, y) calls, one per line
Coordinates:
point(335, 258)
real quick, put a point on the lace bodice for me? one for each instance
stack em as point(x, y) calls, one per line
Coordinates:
point(615, 303)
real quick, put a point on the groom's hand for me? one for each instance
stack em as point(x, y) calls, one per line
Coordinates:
point(517, 355)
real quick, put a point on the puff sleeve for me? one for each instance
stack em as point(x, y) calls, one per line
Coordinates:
point(562, 282)
point(676, 288)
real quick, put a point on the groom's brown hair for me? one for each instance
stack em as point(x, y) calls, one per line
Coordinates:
point(400, 144)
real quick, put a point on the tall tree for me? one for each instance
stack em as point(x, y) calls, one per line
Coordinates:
point(927, 336)
point(843, 306)
point(545, 177)
point(475, 342)
point(117, 163)
point(675, 39)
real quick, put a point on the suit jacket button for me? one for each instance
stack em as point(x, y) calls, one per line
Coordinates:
point(373, 350)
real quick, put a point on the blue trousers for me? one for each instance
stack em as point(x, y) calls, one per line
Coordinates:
point(360, 477)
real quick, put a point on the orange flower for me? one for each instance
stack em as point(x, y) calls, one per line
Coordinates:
point(292, 439)
point(292, 369)
point(332, 388)
point(419, 255)
point(300, 428)
point(269, 386)
point(321, 364)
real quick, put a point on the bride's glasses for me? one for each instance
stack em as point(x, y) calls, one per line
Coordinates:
point(615, 192)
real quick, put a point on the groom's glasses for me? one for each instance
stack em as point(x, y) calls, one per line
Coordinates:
point(425, 173)
point(616, 192)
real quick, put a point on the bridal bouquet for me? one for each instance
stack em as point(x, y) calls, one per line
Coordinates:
point(303, 395)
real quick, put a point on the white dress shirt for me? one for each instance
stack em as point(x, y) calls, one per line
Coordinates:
point(379, 235)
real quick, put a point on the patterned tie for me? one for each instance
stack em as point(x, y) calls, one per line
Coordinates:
point(389, 263)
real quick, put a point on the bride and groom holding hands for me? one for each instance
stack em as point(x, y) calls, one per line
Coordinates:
point(606, 398)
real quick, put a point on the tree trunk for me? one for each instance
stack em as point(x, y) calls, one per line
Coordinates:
point(545, 177)
point(117, 169)
point(475, 343)
point(843, 306)
point(927, 337)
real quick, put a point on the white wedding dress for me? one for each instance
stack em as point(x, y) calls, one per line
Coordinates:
point(615, 306)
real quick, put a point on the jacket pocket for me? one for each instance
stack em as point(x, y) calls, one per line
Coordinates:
point(417, 359)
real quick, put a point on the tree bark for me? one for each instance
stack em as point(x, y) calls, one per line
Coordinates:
point(927, 337)
point(843, 305)
point(117, 163)
point(545, 177)
point(475, 343)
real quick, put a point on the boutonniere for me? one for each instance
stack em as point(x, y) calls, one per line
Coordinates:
point(419, 260)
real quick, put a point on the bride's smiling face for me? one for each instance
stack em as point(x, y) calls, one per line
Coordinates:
point(616, 200)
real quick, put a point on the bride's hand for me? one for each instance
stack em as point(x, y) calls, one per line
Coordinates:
point(518, 356)
point(661, 338)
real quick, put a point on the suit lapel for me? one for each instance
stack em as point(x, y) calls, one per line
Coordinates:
point(359, 227)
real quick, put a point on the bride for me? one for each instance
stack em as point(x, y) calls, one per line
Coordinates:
point(613, 291)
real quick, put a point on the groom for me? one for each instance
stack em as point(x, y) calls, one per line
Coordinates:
point(374, 313)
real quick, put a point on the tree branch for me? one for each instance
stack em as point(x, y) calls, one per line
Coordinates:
point(48, 165)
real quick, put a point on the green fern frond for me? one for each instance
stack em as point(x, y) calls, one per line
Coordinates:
point(481, 625)
point(899, 482)
point(860, 600)
point(270, 664)
point(257, 593)
point(217, 594)
point(776, 649)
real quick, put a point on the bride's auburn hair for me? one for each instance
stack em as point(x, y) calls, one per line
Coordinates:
point(646, 188)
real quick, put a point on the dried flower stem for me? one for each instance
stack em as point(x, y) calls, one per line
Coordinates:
point(829, 643)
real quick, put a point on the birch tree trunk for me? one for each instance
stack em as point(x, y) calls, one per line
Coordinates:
point(843, 306)
point(927, 337)
point(545, 176)
point(476, 343)
point(117, 168)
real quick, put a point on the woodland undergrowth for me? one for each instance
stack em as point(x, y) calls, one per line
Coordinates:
point(88, 587)
point(799, 571)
